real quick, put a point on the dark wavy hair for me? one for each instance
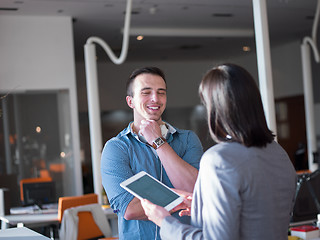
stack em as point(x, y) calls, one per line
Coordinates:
point(136, 72)
point(234, 106)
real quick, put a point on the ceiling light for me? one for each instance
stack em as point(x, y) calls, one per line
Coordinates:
point(246, 48)
point(139, 38)
point(133, 11)
point(38, 129)
point(153, 10)
point(222, 15)
point(190, 47)
point(8, 9)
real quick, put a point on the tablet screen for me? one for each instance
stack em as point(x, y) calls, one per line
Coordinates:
point(145, 186)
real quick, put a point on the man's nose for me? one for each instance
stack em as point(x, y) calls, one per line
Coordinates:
point(154, 97)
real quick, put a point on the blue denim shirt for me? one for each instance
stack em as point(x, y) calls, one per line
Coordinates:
point(125, 155)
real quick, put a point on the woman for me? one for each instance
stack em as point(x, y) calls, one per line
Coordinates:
point(246, 183)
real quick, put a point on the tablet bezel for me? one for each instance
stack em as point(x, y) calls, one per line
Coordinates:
point(137, 176)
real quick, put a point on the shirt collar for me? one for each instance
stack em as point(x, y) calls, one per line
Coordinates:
point(171, 130)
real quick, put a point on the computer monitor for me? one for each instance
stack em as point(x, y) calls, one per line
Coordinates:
point(39, 193)
point(308, 196)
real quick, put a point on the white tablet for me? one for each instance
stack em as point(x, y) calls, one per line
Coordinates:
point(144, 186)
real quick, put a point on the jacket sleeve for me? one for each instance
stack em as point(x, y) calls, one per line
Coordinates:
point(172, 227)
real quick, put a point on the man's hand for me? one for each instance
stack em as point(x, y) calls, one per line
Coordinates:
point(150, 130)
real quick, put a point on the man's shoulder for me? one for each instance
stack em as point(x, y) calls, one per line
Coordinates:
point(122, 137)
point(184, 132)
point(186, 138)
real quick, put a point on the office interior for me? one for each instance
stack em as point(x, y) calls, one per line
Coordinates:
point(44, 123)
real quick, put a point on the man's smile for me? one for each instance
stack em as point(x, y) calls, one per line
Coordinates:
point(153, 107)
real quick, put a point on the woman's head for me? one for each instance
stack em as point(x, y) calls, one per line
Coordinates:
point(234, 106)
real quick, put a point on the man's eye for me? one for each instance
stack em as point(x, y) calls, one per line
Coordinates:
point(162, 93)
point(145, 93)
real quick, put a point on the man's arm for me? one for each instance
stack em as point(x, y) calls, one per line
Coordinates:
point(181, 174)
point(115, 169)
point(135, 211)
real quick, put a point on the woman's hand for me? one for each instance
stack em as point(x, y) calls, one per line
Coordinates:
point(185, 206)
point(154, 212)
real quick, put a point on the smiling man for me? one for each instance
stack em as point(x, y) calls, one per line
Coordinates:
point(148, 144)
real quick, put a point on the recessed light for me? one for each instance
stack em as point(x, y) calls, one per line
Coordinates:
point(133, 12)
point(8, 9)
point(310, 17)
point(38, 129)
point(139, 38)
point(246, 49)
point(222, 15)
point(190, 47)
point(153, 10)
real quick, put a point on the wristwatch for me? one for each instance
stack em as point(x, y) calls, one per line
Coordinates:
point(158, 142)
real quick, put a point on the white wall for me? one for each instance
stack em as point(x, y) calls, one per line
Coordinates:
point(36, 53)
point(287, 70)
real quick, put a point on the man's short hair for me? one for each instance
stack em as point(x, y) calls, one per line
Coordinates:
point(137, 72)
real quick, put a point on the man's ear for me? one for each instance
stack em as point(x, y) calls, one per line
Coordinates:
point(130, 102)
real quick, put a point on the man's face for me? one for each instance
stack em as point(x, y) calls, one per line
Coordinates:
point(149, 97)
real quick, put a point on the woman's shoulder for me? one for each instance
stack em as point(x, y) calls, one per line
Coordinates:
point(234, 154)
point(222, 155)
point(225, 148)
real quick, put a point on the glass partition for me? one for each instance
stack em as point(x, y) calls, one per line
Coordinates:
point(35, 141)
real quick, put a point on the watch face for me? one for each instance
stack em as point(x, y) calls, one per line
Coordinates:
point(159, 141)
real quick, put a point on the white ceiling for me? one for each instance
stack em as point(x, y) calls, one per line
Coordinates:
point(288, 20)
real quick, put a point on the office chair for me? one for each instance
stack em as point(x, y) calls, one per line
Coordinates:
point(82, 206)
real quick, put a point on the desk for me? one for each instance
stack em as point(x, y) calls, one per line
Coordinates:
point(46, 219)
point(30, 220)
point(21, 233)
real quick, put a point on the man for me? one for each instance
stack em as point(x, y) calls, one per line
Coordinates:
point(148, 144)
